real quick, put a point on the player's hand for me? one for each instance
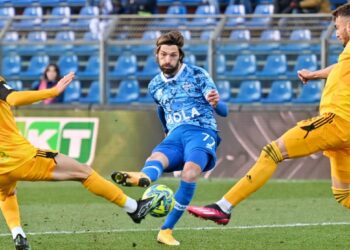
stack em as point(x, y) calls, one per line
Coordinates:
point(63, 83)
point(305, 75)
point(213, 98)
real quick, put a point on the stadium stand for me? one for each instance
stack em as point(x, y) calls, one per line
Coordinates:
point(244, 65)
point(93, 95)
point(36, 67)
point(275, 65)
point(5, 13)
point(128, 91)
point(60, 17)
point(281, 92)
point(32, 18)
point(238, 12)
point(72, 93)
point(237, 41)
point(249, 92)
point(224, 89)
point(310, 93)
point(125, 66)
point(11, 65)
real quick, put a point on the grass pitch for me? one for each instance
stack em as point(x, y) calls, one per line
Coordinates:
point(282, 215)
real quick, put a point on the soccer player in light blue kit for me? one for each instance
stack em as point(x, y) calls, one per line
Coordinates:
point(186, 97)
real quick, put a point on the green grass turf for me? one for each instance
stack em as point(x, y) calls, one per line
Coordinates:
point(52, 212)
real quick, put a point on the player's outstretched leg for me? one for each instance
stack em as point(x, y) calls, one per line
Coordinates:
point(211, 212)
point(254, 179)
point(144, 207)
point(152, 170)
point(10, 210)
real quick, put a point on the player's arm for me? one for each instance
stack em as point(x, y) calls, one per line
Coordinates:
point(18, 98)
point(161, 116)
point(306, 75)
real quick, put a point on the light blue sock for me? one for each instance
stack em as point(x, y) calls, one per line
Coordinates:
point(183, 197)
point(153, 169)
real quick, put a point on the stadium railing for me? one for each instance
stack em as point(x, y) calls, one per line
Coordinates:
point(116, 35)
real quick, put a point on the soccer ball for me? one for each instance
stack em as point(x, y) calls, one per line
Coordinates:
point(167, 202)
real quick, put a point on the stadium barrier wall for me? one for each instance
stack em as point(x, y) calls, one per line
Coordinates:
point(125, 138)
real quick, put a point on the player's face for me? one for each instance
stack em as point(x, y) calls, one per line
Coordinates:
point(168, 58)
point(342, 26)
point(51, 73)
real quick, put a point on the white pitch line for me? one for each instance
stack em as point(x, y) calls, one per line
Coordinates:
point(188, 228)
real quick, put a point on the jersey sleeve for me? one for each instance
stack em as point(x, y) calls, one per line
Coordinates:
point(5, 89)
point(207, 83)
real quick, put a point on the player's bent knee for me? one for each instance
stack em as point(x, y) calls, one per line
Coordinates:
point(83, 172)
point(272, 151)
point(342, 196)
point(190, 174)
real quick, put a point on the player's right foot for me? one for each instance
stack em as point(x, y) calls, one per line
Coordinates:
point(144, 207)
point(21, 243)
point(166, 237)
point(131, 178)
point(210, 212)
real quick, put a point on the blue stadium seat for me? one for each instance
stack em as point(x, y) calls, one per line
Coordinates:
point(88, 14)
point(236, 10)
point(51, 3)
point(310, 93)
point(63, 40)
point(189, 59)
point(92, 68)
point(299, 40)
point(32, 17)
point(5, 2)
point(93, 95)
point(16, 85)
point(224, 90)
point(128, 91)
point(125, 66)
point(60, 18)
point(276, 65)
point(249, 92)
point(150, 69)
point(5, 14)
point(11, 65)
point(201, 48)
point(76, 2)
point(280, 92)
point(146, 98)
point(260, 11)
point(269, 41)
point(23, 3)
point(176, 9)
point(238, 41)
point(72, 92)
point(332, 59)
point(145, 49)
point(33, 38)
point(92, 39)
point(10, 38)
point(68, 63)
point(220, 64)
point(308, 62)
point(36, 67)
point(245, 65)
point(203, 10)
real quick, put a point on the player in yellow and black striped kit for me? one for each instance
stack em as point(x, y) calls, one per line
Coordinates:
point(21, 161)
point(329, 132)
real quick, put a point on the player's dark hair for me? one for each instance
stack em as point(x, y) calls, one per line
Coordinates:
point(343, 10)
point(172, 38)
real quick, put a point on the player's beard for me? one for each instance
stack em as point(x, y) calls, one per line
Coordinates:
point(170, 70)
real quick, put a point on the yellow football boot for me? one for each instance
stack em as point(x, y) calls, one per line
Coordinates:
point(166, 237)
point(131, 178)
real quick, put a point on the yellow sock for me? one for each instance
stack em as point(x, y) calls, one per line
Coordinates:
point(101, 187)
point(263, 169)
point(10, 210)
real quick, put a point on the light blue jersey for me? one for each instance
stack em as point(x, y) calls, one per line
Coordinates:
point(183, 97)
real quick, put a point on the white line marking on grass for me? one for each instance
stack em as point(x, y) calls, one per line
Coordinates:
point(188, 228)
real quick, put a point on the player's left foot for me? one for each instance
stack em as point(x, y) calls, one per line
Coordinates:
point(131, 178)
point(21, 243)
point(144, 207)
point(210, 212)
point(166, 237)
